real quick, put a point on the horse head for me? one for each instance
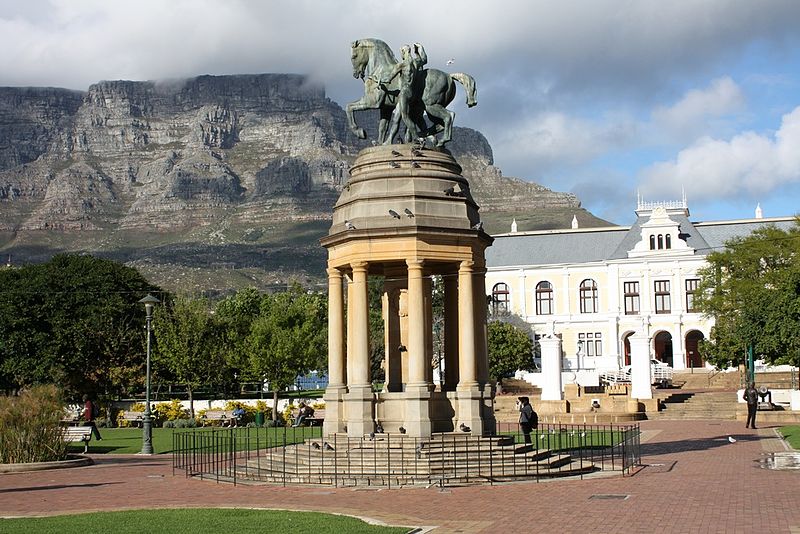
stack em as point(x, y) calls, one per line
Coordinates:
point(368, 55)
point(359, 57)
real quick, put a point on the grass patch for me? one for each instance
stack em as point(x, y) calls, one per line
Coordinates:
point(791, 434)
point(129, 440)
point(194, 521)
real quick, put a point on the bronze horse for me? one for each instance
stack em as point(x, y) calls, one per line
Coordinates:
point(373, 60)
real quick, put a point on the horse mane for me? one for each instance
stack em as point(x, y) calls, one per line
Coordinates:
point(380, 48)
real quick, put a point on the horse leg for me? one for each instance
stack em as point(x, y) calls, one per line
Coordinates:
point(387, 123)
point(443, 116)
point(368, 101)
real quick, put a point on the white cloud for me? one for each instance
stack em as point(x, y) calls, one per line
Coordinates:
point(748, 165)
point(691, 115)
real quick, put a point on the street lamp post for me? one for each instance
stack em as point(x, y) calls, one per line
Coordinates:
point(147, 420)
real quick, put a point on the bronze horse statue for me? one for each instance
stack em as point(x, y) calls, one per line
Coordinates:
point(373, 60)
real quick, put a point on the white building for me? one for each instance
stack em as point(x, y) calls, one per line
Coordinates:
point(596, 287)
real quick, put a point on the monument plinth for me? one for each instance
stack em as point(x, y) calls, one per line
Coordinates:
point(407, 214)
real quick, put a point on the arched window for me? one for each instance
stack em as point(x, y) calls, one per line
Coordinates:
point(500, 298)
point(660, 241)
point(544, 298)
point(652, 242)
point(588, 296)
point(668, 239)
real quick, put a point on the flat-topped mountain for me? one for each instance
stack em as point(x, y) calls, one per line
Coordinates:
point(208, 183)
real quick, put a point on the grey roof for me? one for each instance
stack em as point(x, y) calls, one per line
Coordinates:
point(717, 233)
point(613, 243)
point(553, 248)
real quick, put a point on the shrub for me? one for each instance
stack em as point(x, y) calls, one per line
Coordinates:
point(171, 411)
point(30, 429)
point(184, 423)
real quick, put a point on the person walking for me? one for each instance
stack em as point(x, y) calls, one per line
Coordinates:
point(90, 413)
point(528, 420)
point(751, 398)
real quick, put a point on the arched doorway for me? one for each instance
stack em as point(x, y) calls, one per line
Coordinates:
point(626, 348)
point(693, 356)
point(663, 347)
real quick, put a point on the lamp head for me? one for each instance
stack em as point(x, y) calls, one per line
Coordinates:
point(148, 302)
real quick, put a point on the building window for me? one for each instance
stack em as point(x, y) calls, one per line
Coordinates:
point(662, 296)
point(500, 298)
point(631, 297)
point(691, 290)
point(668, 240)
point(544, 298)
point(588, 296)
point(652, 242)
point(590, 344)
point(660, 241)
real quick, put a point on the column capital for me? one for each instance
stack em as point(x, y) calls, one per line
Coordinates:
point(359, 265)
point(414, 263)
point(466, 265)
point(333, 272)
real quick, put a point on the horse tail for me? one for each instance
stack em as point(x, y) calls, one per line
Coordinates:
point(469, 86)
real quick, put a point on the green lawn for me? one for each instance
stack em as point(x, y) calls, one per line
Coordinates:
point(792, 435)
point(194, 521)
point(129, 440)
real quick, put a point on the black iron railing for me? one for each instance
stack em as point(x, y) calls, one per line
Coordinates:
point(302, 456)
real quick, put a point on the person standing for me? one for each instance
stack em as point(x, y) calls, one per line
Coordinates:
point(751, 398)
point(412, 60)
point(90, 413)
point(528, 420)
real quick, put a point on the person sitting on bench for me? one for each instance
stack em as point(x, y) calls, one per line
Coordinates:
point(303, 413)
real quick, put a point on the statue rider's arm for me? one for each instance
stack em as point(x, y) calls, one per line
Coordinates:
point(420, 51)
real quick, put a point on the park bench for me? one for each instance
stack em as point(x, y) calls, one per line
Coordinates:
point(315, 420)
point(212, 416)
point(132, 417)
point(78, 433)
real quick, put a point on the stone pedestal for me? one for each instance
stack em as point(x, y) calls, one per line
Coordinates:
point(641, 380)
point(334, 422)
point(359, 407)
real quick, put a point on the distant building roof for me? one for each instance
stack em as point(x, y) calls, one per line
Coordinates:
point(585, 245)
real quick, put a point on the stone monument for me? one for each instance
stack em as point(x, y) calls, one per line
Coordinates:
point(407, 214)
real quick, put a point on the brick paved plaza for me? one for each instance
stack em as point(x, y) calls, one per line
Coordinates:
point(695, 481)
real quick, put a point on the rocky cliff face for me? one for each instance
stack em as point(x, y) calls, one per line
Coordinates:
point(242, 170)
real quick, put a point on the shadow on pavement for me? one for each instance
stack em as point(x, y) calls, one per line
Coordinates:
point(57, 487)
point(700, 444)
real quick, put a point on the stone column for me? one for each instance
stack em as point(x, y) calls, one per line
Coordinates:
point(359, 399)
point(334, 393)
point(468, 391)
point(418, 389)
point(640, 367)
point(551, 369)
point(451, 351)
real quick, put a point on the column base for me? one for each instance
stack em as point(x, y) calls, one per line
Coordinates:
point(470, 409)
point(417, 420)
point(334, 422)
point(359, 407)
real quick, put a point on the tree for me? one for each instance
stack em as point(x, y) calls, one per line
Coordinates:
point(187, 344)
point(510, 348)
point(287, 338)
point(752, 290)
point(74, 321)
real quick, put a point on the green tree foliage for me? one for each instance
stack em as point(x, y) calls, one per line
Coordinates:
point(188, 345)
point(752, 290)
point(377, 353)
point(288, 337)
point(510, 348)
point(75, 321)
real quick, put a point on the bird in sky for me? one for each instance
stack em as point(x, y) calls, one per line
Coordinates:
point(451, 61)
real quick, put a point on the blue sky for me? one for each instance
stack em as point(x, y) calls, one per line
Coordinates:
point(600, 98)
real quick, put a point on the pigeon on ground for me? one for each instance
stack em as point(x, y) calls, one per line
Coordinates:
point(394, 165)
point(327, 446)
point(416, 152)
point(731, 439)
point(408, 212)
point(349, 225)
point(371, 436)
point(315, 445)
point(394, 214)
point(396, 154)
point(463, 427)
point(402, 430)
point(379, 428)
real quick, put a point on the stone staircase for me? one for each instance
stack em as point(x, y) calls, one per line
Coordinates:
point(393, 460)
point(698, 405)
